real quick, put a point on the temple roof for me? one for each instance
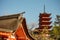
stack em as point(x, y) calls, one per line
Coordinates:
point(9, 22)
point(58, 16)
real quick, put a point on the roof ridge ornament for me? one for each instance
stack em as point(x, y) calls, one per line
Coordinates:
point(44, 8)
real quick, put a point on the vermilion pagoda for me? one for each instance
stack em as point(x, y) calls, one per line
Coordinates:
point(44, 20)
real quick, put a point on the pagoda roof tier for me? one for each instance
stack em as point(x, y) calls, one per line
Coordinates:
point(45, 19)
point(44, 15)
point(45, 23)
point(48, 27)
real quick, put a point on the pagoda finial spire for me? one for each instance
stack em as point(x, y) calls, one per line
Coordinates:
point(44, 8)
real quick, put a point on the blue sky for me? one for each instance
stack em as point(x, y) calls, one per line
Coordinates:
point(32, 8)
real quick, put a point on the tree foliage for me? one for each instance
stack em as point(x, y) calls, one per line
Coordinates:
point(56, 31)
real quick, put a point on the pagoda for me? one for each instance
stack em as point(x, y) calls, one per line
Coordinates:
point(44, 25)
point(44, 20)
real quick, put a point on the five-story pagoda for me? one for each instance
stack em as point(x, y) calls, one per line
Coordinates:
point(44, 20)
point(44, 24)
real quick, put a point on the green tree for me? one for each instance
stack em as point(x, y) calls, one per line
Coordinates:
point(56, 31)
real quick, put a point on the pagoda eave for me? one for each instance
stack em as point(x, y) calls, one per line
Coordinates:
point(45, 19)
point(44, 15)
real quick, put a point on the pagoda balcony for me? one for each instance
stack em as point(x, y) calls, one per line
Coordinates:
point(45, 23)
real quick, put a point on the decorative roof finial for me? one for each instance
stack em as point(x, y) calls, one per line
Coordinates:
point(44, 8)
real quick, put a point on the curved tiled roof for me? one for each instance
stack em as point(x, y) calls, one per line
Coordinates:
point(10, 23)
